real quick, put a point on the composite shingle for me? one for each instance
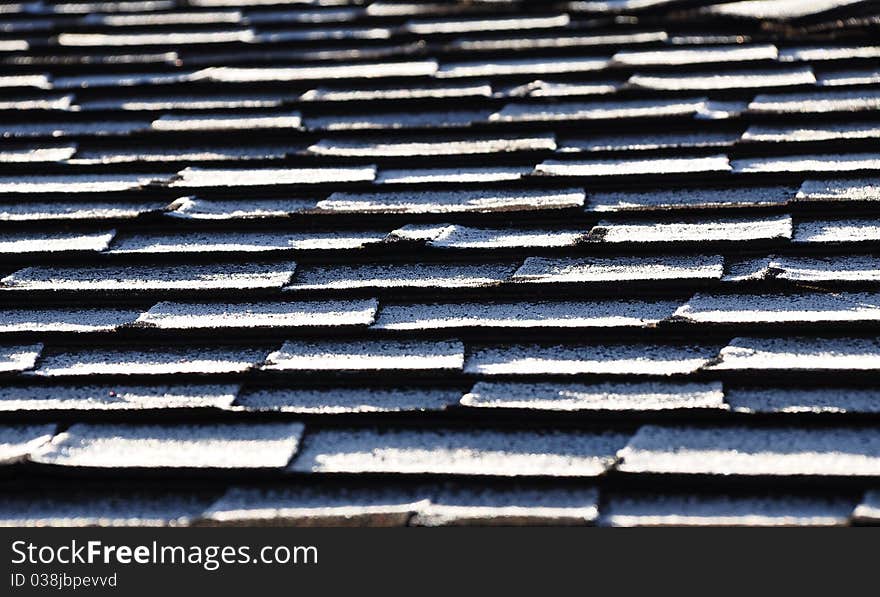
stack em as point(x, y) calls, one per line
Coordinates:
point(378, 276)
point(347, 400)
point(432, 145)
point(64, 319)
point(805, 308)
point(815, 400)
point(464, 504)
point(726, 229)
point(570, 270)
point(469, 452)
point(634, 167)
point(749, 451)
point(566, 397)
point(309, 505)
point(572, 359)
point(262, 315)
point(165, 360)
point(453, 201)
point(527, 315)
point(18, 442)
point(798, 354)
point(689, 198)
point(146, 278)
point(367, 356)
point(102, 508)
point(251, 446)
point(87, 398)
point(198, 178)
point(715, 509)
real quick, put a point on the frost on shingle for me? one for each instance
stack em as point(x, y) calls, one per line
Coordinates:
point(195, 178)
point(480, 24)
point(244, 242)
point(18, 442)
point(798, 353)
point(40, 81)
point(430, 145)
point(634, 167)
point(397, 120)
point(53, 242)
point(534, 41)
point(702, 509)
point(521, 66)
point(377, 276)
point(367, 355)
point(818, 53)
point(37, 101)
point(20, 211)
point(14, 359)
point(70, 129)
point(36, 153)
point(153, 103)
point(101, 508)
point(236, 121)
point(222, 276)
point(459, 452)
point(343, 400)
point(165, 360)
point(574, 270)
point(644, 142)
point(528, 315)
point(809, 163)
point(171, 38)
point(837, 231)
point(721, 110)
point(859, 189)
point(201, 446)
point(479, 174)
point(737, 450)
point(64, 319)
point(77, 183)
point(843, 268)
point(116, 80)
point(813, 400)
point(723, 80)
point(464, 504)
point(689, 198)
point(811, 132)
point(642, 396)
point(398, 92)
point(817, 102)
point(609, 110)
point(316, 505)
point(213, 153)
point(454, 201)
point(727, 229)
point(782, 10)
point(612, 358)
point(542, 88)
point(368, 70)
point(844, 78)
point(239, 209)
point(86, 398)
point(695, 55)
point(810, 307)
point(466, 237)
point(868, 510)
point(263, 315)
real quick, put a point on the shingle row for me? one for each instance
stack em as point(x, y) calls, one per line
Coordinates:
point(433, 504)
point(703, 450)
point(534, 397)
point(788, 355)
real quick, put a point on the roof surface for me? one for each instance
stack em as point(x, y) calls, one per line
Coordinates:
point(329, 262)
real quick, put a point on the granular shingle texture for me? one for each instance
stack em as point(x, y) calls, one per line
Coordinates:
point(382, 262)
